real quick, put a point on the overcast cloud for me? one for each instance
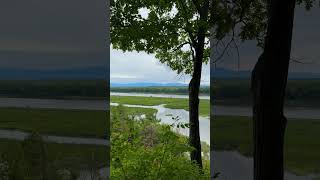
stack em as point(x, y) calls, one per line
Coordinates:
point(132, 67)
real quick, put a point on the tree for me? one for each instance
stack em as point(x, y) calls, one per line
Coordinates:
point(177, 33)
point(269, 80)
point(270, 23)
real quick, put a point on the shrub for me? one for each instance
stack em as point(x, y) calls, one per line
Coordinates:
point(145, 149)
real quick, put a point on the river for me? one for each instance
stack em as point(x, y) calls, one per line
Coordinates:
point(292, 112)
point(232, 165)
point(156, 95)
point(166, 114)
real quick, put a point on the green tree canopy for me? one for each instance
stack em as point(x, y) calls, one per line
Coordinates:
point(165, 28)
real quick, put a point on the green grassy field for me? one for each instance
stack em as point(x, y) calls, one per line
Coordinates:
point(174, 103)
point(76, 123)
point(302, 147)
point(79, 123)
point(61, 156)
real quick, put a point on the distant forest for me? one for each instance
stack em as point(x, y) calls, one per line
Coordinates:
point(59, 89)
point(302, 92)
point(224, 91)
point(183, 90)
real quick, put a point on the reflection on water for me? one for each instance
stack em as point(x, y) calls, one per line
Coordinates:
point(233, 166)
point(290, 112)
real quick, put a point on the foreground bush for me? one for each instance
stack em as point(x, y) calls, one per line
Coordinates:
point(142, 148)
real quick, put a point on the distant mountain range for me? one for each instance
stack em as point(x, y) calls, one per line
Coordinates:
point(226, 73)
point(59, 74)
point(147, 84)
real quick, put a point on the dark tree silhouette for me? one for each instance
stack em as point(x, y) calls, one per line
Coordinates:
point(269, 79)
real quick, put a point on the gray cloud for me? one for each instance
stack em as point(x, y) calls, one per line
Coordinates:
point(141, 67)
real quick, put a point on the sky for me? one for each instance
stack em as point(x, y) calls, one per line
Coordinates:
point(52, 34)
point(131, 67)
point(305, 46)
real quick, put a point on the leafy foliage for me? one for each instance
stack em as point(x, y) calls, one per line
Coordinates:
point(34, 159)
point(145, 149)
point(166, 28)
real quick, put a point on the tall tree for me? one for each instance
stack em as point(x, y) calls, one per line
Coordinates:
point(269, 79)
point(270, 23)
point(177, 33)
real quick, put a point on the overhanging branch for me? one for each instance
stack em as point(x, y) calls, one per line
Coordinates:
point(180, 46)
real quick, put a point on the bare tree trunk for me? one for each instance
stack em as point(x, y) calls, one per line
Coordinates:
point(269, 79)
point(194, 85)
point(194, 136)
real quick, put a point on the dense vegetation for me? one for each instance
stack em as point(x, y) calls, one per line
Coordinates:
point(34, 159)
point(301, 149)
point(54, 89)
point(205, 90)
point(237, 91)
point(142, 148)
point(18, 161)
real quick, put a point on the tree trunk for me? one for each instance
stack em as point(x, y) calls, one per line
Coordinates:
point(194, 135)
point(194, 86)
point(269, 79)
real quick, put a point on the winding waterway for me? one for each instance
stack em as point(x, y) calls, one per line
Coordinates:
point(166, 114)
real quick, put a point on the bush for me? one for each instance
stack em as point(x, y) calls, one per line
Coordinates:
point(145, 149)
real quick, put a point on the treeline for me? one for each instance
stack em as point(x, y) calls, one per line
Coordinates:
point(298, 92)
point(54, 89)
point(183, 90)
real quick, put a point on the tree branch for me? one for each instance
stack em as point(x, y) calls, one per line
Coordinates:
point(226, 47)
point(191, 36)
point(297, 60)
point(197, 5)
point(180, 46)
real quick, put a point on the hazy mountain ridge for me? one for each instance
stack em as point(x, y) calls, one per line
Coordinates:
point(227, 73)
point(147, 84)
